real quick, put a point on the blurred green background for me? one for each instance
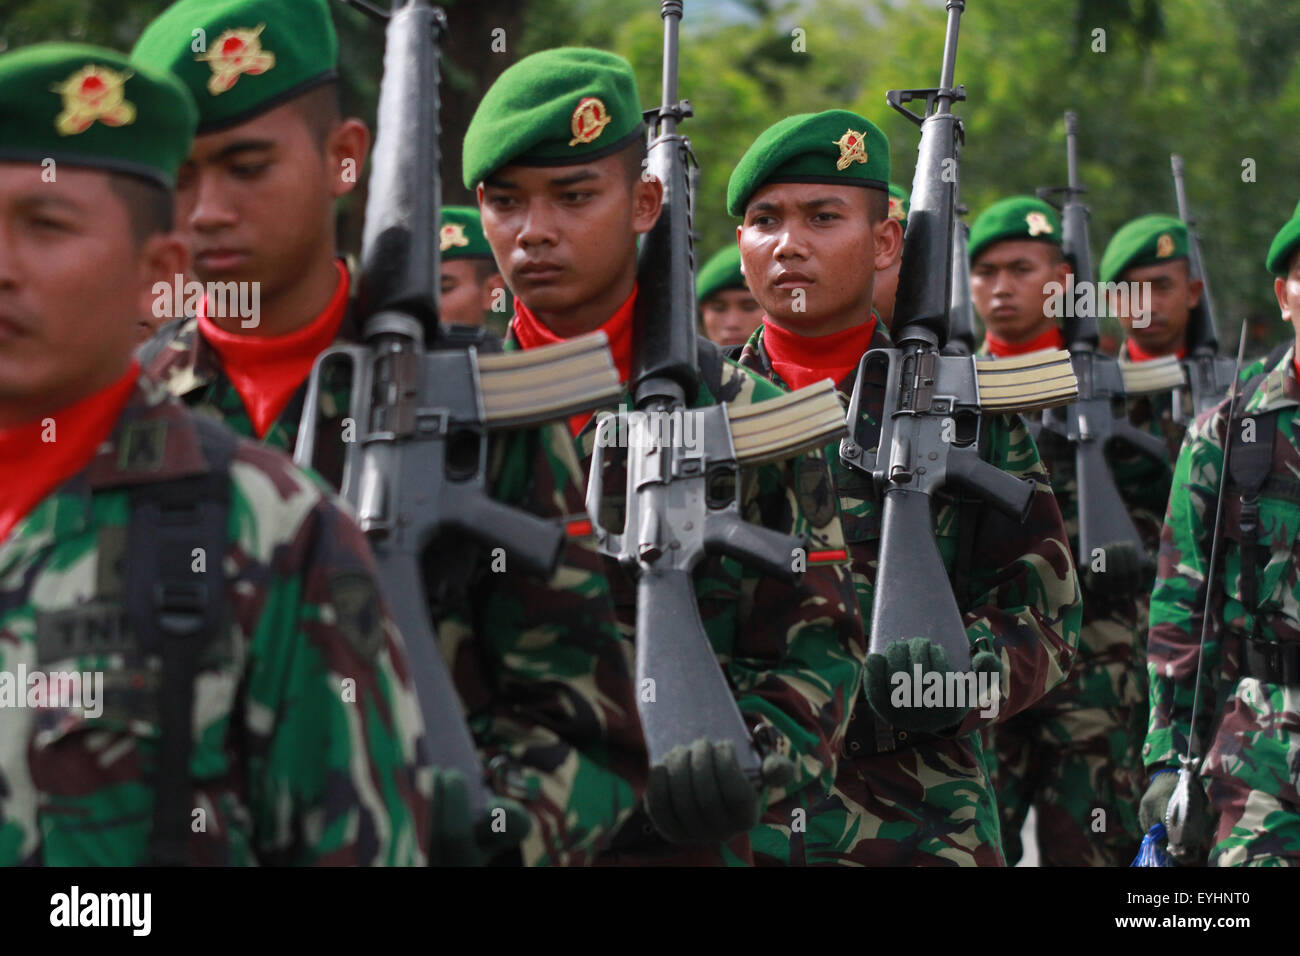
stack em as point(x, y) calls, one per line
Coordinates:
point(1214, 80)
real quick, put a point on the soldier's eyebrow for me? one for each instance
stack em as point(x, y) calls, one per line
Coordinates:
point(242, 146)
point(43, 201)
point(823, 201)
point(581, 176)
point(496, 182)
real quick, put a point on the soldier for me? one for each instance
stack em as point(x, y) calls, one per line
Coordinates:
point(727, 310)
point(195, 665)
point(1246, 724)
point(911, 788)
point(555, 153)
point(255, 199)
point(472, 287)
point(886, 282)
point(1074, 755)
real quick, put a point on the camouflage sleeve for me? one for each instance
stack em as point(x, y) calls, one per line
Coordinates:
point(546, 674)
point(331, 722)
point(1178, 599)
point(1026, 605)
point(793, 654)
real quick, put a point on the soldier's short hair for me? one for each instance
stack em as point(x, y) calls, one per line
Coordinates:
point(321, 108)
point(149, 207)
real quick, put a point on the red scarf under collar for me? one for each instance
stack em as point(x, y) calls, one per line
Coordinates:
point(267, 370)
point(801, 359)
point(38, 456)
point(1051, 339)
point(1137, 354)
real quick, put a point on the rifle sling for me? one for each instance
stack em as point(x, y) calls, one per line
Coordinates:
point(176, 612)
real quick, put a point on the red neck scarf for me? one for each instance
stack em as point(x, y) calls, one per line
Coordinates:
point(37, 457)
point(267, 370)
point(530, 333)
point(1051, 339)
point(1137, 354)
point(802, 359)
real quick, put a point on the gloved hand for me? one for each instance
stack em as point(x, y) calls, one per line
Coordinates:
point(699, 794)
point(1126, 572)
point(901, 656)
point(456, 840)
point(1156, 800)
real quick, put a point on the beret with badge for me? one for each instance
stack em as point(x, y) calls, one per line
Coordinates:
point(1017, 217)
point(90, 107)
point(242, 58)
point(1284, 245)
point(835, 147)
point(1144, 241)
point(559, 107)
point(899, 204)
point(461, 235)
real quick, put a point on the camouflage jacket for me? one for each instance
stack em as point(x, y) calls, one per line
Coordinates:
point(792, 655)
point(1020, 594)
point(180, 357)
point(306, 728)
point(1248, 728)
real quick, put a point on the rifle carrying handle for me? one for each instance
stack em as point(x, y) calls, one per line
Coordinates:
point(610, 543)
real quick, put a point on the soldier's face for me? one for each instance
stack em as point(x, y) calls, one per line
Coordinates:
point(564, 237)
point(465, 297)
point(810, 253)
point(1009, 286)
point(256, 201)
point(1173, 295)
point(72, 284)
point(1287, 290)
point(730, 316)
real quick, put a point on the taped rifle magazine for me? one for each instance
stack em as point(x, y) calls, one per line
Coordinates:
point(1025, 383)
point(1158, 375)
point(549, 382)
point(797, 422)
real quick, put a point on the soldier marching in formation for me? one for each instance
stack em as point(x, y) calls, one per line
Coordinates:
point(247, 687)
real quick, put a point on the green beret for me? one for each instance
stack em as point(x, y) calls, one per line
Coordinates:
point(462, 234)
point(1142, 242)
point(86, 106)
point(240, 58)
point(1017, 217)
point(1284, 245)
point(721, 272)
point(835, 147)
point(899, 204)
point(560, 107)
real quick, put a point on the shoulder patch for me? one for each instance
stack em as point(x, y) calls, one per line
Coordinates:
point(357, 612)
point(816, 497)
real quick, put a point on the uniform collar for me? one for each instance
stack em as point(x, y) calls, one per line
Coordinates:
point(1279, 389)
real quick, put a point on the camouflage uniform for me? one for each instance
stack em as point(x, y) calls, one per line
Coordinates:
point(1075, 752)
point(1252, 725)
point(923, 799)
point(287, 768)
point(793, 655)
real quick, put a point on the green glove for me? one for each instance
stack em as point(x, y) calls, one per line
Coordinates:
point(1126, 573)
point(902, 656)
point(699, 794)
point(1156, 800)
point(456, 840)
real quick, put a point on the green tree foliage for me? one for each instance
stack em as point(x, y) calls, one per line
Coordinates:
point(1211, 79)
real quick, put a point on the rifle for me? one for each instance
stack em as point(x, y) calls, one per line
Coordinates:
point(418, 471)
point(934, 403)
point(683, 466)
point(1207, 371)
point(1098, 417)
point(961, 318)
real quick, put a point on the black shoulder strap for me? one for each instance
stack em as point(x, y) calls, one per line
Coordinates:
point(711, 366)
point(176, 544)
point(1249, 465)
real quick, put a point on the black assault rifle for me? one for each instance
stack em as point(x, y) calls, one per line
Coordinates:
point(416, 475)
point(683, 467)
point(931, 418)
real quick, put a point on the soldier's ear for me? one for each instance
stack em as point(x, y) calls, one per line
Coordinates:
point(647, 201)
point(1283, 301)
point(1194, 289)
point(346, 151)
point(887, 235)
point(163, 257)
